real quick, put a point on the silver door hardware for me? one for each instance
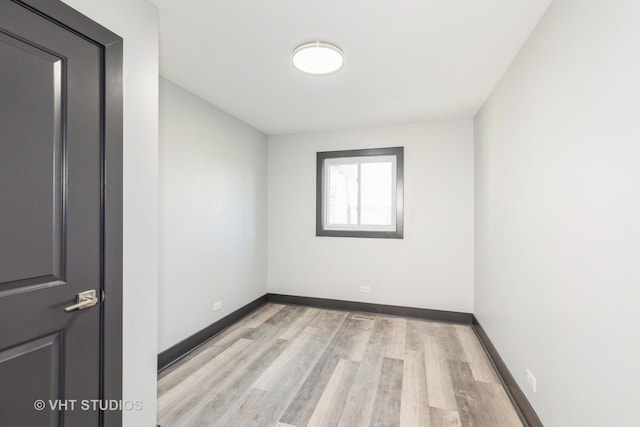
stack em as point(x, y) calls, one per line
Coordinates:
point(84, 300)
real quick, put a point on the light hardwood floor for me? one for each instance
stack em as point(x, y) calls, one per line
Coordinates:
point(298, 366)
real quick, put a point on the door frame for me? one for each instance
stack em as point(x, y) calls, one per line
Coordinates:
point(111, 46)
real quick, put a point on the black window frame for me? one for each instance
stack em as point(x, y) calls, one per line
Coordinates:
point(320, 180)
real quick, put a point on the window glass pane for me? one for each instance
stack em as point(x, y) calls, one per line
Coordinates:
point(376, 197)
point(343, 194)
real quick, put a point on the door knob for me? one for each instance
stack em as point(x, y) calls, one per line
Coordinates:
point(84, 300)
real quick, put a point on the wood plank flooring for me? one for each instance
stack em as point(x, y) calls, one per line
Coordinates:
point(291, 366)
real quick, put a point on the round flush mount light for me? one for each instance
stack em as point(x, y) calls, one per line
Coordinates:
point(318, 57)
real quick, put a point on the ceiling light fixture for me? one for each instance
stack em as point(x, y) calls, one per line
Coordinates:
point(318, 57)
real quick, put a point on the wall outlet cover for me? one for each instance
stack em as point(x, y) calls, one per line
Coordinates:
point(531, 381)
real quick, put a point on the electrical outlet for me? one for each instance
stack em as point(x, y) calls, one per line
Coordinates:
point(531, 381)
point(365, 289)
point(217, 305)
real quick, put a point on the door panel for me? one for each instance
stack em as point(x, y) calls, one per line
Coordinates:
point(31, 235)
point(50, 218)
point(42, 356)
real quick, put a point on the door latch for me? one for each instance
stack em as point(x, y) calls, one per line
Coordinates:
point(84, 300)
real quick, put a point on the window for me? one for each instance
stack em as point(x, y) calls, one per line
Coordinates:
point(359, 193)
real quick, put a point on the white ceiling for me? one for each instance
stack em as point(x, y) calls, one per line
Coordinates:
point(405, 60)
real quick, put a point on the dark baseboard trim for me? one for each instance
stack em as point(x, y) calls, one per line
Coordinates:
point(186, 346)
point(395, 310)
point(525, 410)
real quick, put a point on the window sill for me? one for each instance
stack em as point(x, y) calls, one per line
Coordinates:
point(398, 234)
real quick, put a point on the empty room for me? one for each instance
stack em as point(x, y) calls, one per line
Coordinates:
point(341, 213)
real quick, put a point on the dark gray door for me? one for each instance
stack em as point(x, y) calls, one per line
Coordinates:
point(50, 220)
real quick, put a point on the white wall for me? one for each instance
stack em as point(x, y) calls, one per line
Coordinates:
point(557, 214)
point(136, 21)
point(213, 209)
point(432, 267)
